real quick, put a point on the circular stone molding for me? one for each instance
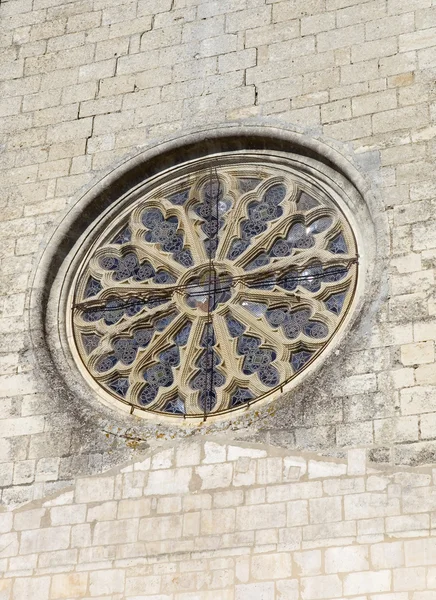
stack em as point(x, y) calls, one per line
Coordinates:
point(208, 284)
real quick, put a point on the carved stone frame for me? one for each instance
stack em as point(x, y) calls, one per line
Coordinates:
point(52, 277)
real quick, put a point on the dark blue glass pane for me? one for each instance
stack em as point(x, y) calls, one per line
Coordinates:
point(90, 342)
point(299, 359)
point(306, 202)
point(120, 386)
point(175, 406)
point(124, 236)
point(93, 287)
point(338, 245)
point(335, 302)
point(240, 396)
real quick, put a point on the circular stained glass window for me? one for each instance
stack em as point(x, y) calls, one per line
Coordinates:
point(214, 286)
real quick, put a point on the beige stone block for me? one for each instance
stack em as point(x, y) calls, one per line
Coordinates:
point(218, 521)
point(168, 481)
point(191, 524)
point(373, 103)
point(287, 589)
point(255, 591)
point(269, 34)
point(260, 516)
point(294, 491)
point(197, 502)
point(5, 589)
point(9, 545)
point(418, 399)
point(408, 525)
point(160, 528)
point(367, 582)
point(271, 566)
point(418, 353)
point(106, 582)
point(308, 562)
point(339, 38)
point(67, 515)
point(325, 510)
point(317, 23)
point(30, 588)
point(163, 459)
point(323, 586)
point(404, 378)
point(94, 489)
point(145, 584)
point(297, 513)
point(339, 487)
point(345, 559)
point(188, 455)
point(336, 111)
point(43, 540)
point(169, 505)
point(400, 118)
point(356, 461)
point(387, 555)
point(244, 472)
point(116, 532)
point(66, 585)
point(283, 11)
point(324, 532)
point(420, 552)
point(321, 469)
point(411, 579)
point(370, 505)
point(228, 498)
point(104, 512)
point(215, 476)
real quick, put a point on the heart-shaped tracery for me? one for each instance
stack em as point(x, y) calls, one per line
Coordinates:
point(215, 289)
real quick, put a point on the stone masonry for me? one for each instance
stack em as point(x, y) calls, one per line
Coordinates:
point(219, 521)
point(101, 511)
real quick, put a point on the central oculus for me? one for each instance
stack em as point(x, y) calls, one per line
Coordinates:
point(209, 289)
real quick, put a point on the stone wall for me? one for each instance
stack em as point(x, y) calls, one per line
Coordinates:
point(85, 84)
point(198, 521)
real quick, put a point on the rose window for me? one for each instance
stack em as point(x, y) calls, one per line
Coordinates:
point(213, 288)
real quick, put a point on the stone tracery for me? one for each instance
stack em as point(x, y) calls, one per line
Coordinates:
point(215, 289)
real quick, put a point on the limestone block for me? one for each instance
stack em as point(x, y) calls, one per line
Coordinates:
point(287, 589)
point(116, 532)
point(43, 540)
point(325, 510)
point(64, 585)
point(420, 552)
point(260, 516)
point(323, 586)
point(346, 559)
point(106, 582)
point(367, 583)
point(168, 481)
point(409, 579)
point(271, 566)
point(214, 453)
point(255, 591)
point(29, 588)
point(297, 513)
point(215, 476)
point(160, 528)
point(218, 521)
point(294, 491)
point(95, 489)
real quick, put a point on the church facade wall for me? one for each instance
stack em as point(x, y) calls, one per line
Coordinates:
point(196, 521)
point(85, 87)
